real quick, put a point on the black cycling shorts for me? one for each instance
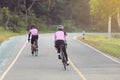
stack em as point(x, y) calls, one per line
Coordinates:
point(33, 38)
point(59, 42)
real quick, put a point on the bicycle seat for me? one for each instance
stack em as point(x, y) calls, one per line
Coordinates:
point(62, 45)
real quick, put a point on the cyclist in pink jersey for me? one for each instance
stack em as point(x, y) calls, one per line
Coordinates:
point(60, 39)
point(33, 33)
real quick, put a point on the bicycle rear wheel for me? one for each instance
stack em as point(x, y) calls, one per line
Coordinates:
point(63, 60)
point(36, 52)
point(64, 64)
point(35, 49)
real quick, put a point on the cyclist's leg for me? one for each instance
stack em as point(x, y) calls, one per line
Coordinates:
point(64, 49)
point(57, 46)
point(58, 49)
point(32, 42)
point(36, 40)
point(65, 53)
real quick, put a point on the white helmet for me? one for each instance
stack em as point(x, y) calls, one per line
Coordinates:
point(60, 27)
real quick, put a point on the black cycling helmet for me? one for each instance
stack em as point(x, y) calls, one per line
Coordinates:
point(32, 26)
point(60, 27)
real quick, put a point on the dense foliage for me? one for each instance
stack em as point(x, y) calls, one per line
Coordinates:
point(75, 15)
point(19, 14)
point(101, 10)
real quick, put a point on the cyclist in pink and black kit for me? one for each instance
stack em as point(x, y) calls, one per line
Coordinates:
point(60, 39)
point(33, 33)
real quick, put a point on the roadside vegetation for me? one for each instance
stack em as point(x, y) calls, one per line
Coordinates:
point(102, 43)
point(75, 15)
point(5, 35)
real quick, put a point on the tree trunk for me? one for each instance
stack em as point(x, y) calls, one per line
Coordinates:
point(31, 5)
point(109, 27)
point(6, 24)
point(26, 20)
point(118, 19)
point(28, 9)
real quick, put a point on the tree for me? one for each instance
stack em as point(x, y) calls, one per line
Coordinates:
point(80, 11)
point(117, 6)
point(28, 5)
point(6, 16)
point(104, 9)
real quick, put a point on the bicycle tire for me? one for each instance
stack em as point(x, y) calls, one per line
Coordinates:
point(64, 63)
point(35, 49)
point(63, 58)
point(36, 52)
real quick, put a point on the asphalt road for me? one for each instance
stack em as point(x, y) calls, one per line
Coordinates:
point(86, 63)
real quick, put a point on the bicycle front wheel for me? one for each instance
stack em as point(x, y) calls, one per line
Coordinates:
point(36, 52)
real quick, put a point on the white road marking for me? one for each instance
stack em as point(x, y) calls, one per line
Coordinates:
point(99, 52)
point(13, 62)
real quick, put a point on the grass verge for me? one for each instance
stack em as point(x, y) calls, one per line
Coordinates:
point(5, 35)
point(102, 43)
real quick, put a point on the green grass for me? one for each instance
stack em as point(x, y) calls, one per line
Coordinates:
point(5, 35)
point(102, 43)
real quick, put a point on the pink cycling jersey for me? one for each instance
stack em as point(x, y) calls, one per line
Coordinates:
point(33, 31)
point(59, 35)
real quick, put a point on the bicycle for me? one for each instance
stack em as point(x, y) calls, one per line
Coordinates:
point(62, 55)
point(35, 48)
